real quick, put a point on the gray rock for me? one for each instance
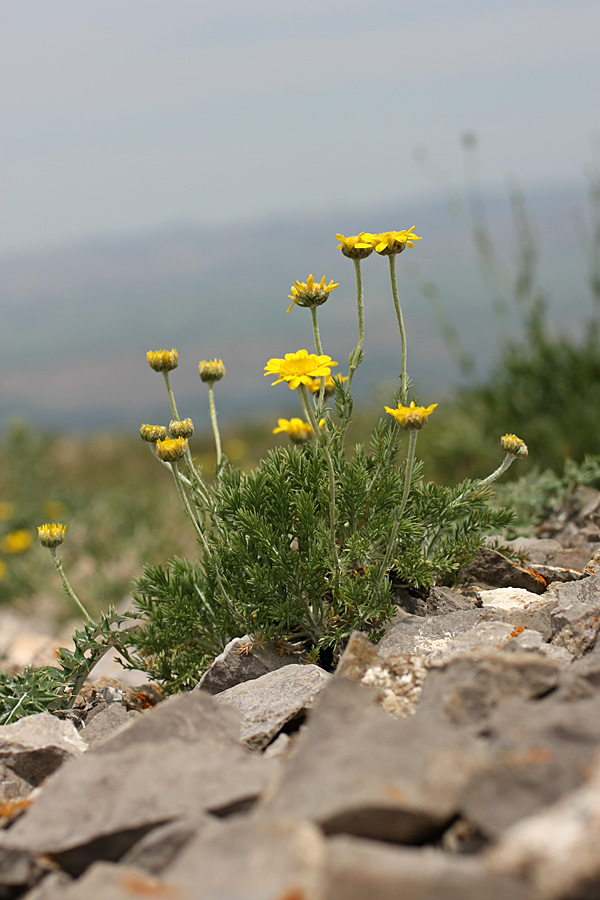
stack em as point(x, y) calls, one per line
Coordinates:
point(442, 600)
point(52, 887)
point(268, 703)
point(582, 678)
point(357, 869)
point(558, 848)
point(399, 679)
point(179, 759)
point(161, 846)
point(537, 753)
point(539, 550)
point(107, 881)
point(465, 689)
point(106, 723)
point(355, 770)
point(536, 615)
point(241, 660)
point(587, 590)
point(507, 598)
point(36, 746)
point(427, 636)
point(491, 569)
point(358, 656)
point(553, 574)
point(575, 626)
point(18, 870)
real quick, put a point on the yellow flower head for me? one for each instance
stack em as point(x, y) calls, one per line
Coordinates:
point(183, 428)
point(359, 246)
point(411, 417)
point(51, 534)
point(315, 386)
point(298, 431)
point(299, 368)
point(390, 242)
point(153, 433)
point(211, 371)
point(162, 360)
point(16, 542)
point(171, 449)
point(310, 293)
point(514, 446)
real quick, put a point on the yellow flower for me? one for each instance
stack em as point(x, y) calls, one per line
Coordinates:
point(182, 428)
point(390, 242)
point(16, 541)
point(315, 386)
point(310, 293)
point(299, 368)
point(411, 417)
point(54, 510)
point(162, 360)
point(210, 371)
point(514, 446)
point(171, 449)
point(153, 433)
point(7, 510)
point(51, 534)
point(359, 246)
point(298, 431)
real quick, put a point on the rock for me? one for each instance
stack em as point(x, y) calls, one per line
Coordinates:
point(106, 723)
point(52, 887)
point(490, 569)
point(356, 869)
point(241, 660)
point(465, 689)
point(358, 656)
point(535, 616)
point(161, 846)
point(422, 636)
point(399, 680)
point(552, 574)
point(179, 759)
point(558, 848)
point(539, 550)
point(19, 870)
point(442, 600)
point(107, 881)
point(537, 751)
point(34, 747)
point(355, 770)
point(582, 678)
point(575, 626)
point(507, 598)
point(274, 700)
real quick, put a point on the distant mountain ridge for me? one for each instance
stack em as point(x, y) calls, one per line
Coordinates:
point(78, 320)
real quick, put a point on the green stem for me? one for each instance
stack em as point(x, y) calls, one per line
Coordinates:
point(506, 462)
point(69, 590)
point(319, 346)
point(186, 504)
point(408, 470)
point(400, 317)
point(213, 421)
point(171, 396)
point(320, 437)
point(355, 356)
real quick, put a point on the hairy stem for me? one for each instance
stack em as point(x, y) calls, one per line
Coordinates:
point(400, 317)
point(213, 421)
point(69, 590)
point(408, 470)
point(355, 355)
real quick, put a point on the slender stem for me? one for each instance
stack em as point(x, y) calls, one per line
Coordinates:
point(408, 470)
point(400, 317)
point(355, 356)
point(67, 586)
point(186, 504)
point(321, 438)
point(319, 346)
point(171, 396)
point(506, 462)
point(213, 421)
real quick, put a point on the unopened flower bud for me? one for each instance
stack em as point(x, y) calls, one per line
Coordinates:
point(171, 449)
point(51, 534)
point(212, 370)
point(182, 428)
point(153, 433)
point(162, 360)
point(514, 445)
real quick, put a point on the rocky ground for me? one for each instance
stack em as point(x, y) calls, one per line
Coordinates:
point(457, 760)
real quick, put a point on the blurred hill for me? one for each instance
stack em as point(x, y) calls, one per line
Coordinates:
point(78, 320)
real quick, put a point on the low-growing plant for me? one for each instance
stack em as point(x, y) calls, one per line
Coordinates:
point(305, 548)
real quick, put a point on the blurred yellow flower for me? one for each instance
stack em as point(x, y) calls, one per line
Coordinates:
point(514, 445)
point(171, 449)
point(390, 242)
point(310, 293)
point(411, 417)
point(211, 370)
point(16, 541)
point(359, 246)
point(298, 431)
point(315, 385)
point(7, 510)
point(162, 360)
point(299, 368)
point(51, 534)
point(54, 510)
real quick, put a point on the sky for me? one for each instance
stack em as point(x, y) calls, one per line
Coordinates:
point(121, 116)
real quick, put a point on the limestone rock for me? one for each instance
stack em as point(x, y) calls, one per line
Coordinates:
point(241, 660)
point(34, 747)
point(490, 569)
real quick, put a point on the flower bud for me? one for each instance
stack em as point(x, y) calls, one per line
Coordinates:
point(310, 293)
point(171, 449)
point(183, 428)
point(162, 360)
point(51, 534)
point(514, 446)
point(153, 433)
point(211, 370)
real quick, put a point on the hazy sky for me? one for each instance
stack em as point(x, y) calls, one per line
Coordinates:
point(120, 115)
